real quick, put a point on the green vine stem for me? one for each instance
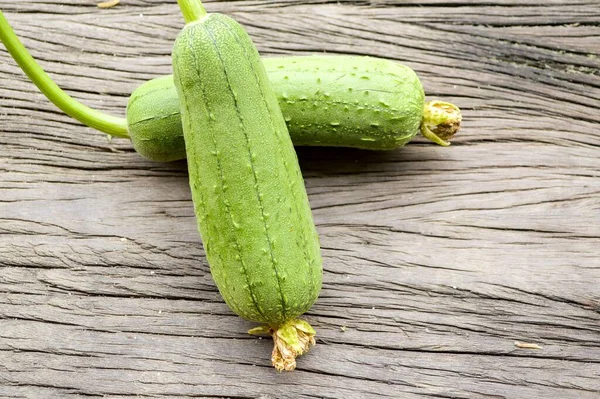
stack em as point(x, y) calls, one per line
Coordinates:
point(108, 124)
point(192, 10)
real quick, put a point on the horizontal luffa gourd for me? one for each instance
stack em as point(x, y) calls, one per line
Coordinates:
point(342, 101)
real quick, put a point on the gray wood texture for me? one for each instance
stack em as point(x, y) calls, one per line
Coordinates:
point(436, 260)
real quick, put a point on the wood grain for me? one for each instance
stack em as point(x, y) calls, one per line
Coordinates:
point(436, 259)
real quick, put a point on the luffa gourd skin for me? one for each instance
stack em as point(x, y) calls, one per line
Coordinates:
point(342, 101)
point(249, 197)
point(335, 101)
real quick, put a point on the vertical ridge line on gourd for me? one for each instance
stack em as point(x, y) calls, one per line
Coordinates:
point(203, 202)
point(260, 202)
point(304, 244)
point(237, 244)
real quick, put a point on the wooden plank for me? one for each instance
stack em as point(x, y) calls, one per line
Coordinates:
point(436, 260)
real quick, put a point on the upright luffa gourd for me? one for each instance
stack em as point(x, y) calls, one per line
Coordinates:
point(250, 202)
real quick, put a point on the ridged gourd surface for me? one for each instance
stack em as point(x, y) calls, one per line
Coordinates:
point(361, 102)
point(343, 101)
point(249, 196)
point(154, 120)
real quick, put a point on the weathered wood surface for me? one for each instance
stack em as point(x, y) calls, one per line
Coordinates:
point(436, 259)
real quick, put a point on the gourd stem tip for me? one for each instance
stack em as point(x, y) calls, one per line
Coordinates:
point(290, 340)
point(441, 121)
